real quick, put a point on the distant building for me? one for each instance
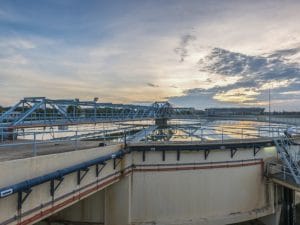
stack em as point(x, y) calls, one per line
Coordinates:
point(234, 111)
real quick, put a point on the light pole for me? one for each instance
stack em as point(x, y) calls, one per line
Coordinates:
point(269, 110)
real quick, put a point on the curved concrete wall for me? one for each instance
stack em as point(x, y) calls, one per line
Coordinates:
point(40, 203)
point(193, 190)
point(218, 190)
point(149, 189)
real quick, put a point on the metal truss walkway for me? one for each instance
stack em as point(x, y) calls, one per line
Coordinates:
point(286, 171)
point(43, 112)
point(283, 146)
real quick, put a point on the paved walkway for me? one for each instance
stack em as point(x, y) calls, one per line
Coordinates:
point(26, 150)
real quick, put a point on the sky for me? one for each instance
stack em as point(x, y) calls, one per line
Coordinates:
point(201, 54)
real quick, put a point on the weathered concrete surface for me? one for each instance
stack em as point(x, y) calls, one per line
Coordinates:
point(117, 202)
point(88, 210)
point(202, 196)
point(40, 204)
point(174, 192)
point(26, 150)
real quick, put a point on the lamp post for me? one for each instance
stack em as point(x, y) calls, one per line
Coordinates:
point(269, 110)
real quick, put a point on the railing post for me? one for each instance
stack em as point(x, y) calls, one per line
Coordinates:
point(76, 139)
point(125, 140)
point(13, 134)
point(222, 135)
point(272, 128)
point(34, 144)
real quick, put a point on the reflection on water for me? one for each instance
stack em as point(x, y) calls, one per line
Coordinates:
point(177, 130)
point(197, 130)
point(83, 130)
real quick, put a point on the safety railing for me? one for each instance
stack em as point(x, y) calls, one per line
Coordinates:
point(123, 132)
point(280, 171)
point(75, 139)
point(196, 133)
point(48, 119)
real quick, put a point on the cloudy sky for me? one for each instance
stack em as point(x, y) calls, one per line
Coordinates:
point(191, 53)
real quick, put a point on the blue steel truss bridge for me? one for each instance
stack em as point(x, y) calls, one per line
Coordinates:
point(43, 112)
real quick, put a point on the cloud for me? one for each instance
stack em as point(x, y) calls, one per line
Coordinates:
point(260, 68)
point(241, 44)
point(285, 53)
point(239, 95)
point(17, 43)
point(152, 85)
point(256, 74)
point(290, 93)
point(182, 50)
point(6, 15)
point(261, 72)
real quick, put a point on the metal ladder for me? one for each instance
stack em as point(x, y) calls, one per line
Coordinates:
point(283, 145)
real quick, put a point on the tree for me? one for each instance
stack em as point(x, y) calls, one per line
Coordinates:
point(73, 109)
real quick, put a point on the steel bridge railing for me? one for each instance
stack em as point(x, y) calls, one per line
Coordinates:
point(46, 112)
point(37, 138)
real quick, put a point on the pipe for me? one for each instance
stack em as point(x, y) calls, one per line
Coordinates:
point(25, 185)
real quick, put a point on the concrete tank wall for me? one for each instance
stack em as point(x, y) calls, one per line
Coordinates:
point(193, 197)
point(217, 190)
point(88, 210)
point(39, 203)
point(108, 206)
point(117, 202)
point(220, 189)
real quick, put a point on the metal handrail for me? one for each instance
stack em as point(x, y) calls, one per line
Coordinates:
point(38, 137)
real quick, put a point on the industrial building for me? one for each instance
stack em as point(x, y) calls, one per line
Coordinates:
point(234, 111)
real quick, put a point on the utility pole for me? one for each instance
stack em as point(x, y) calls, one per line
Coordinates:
point(269, 110)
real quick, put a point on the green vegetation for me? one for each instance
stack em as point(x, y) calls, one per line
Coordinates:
point(74, 110)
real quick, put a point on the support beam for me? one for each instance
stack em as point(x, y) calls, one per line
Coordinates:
point(144, 156)
point(289, 213)
point(256, 149)
point(232, 152)
point(81, 176)
point(54, 187)
point(206, 153)
point(163, 155)
point(178, 155)
point(21, 198)
point(99, 168)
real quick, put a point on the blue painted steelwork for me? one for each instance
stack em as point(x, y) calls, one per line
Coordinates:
point(40, 111)
point(57, 175)
point(284, 148)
